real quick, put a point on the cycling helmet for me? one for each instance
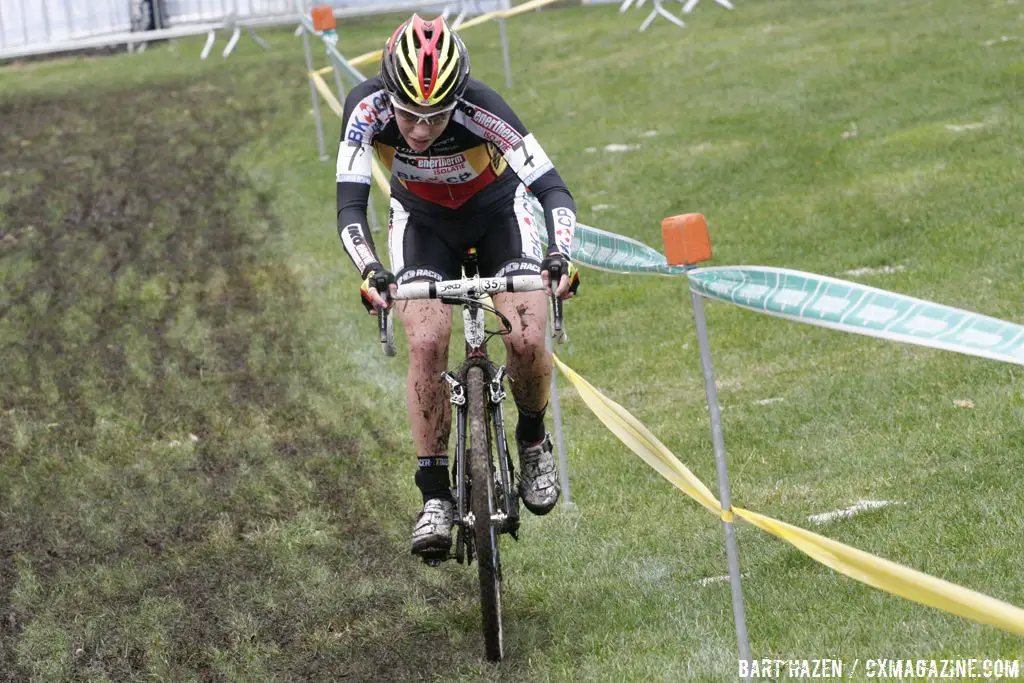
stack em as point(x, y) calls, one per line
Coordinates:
point(425, 63)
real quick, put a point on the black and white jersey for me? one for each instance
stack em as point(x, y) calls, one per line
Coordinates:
point(472, 168)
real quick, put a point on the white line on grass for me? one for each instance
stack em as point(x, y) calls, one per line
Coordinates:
point(715, 579)
point(769, 401)
point(881, 270)
point(960, 128)
point(616, 147)
point(855, 509)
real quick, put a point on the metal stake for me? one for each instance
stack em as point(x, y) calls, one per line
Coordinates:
point(556, 415)
point(723, 475)
point(506, 4)
point(46, 21)
point(313, 94)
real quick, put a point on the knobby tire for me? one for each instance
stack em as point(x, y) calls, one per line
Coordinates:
point(483, 503)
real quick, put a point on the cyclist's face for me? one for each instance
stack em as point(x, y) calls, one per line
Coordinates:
point(420, 126)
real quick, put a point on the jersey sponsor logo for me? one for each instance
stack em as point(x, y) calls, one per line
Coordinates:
point(355, 244)
point(440, 162)
point(367, 118)
point(565, 226)
point(534, 248)
point(449, 170)
point(496, 130)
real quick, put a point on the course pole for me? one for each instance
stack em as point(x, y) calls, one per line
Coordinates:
point(687, 243)
point(556, 416)
point(312, 93)
point(731, 551)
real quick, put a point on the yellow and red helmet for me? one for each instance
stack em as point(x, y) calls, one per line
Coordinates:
point(425, 63)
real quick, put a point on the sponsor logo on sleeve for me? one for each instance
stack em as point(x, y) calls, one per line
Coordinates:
point(565, 226)
point(369, 117)
point(495, 129)
point(355, 244)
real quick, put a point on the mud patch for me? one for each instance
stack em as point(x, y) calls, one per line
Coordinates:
point(142, 303)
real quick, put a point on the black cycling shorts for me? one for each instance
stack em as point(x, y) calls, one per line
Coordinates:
point(424, 247)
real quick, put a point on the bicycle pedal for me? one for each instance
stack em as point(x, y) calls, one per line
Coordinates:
point(433, 558)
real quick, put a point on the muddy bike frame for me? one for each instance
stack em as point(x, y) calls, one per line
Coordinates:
point(478, 381)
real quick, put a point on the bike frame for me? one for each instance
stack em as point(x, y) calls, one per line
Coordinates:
point(506, 518)
point(468, 292)
point(497, 498)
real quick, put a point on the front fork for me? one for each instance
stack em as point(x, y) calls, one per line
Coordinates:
point(507, 517)
point(510, 524)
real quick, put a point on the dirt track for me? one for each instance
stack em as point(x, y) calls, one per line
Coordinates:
point(120, 221)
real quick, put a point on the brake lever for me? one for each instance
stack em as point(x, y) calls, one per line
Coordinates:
point(555, 277)
point(386, 328)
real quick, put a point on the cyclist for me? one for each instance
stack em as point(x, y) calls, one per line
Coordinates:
point(461, 165)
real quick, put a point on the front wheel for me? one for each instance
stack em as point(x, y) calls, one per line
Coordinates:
point(483, 505)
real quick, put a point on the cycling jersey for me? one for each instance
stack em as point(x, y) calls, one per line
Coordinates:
point(473, 167)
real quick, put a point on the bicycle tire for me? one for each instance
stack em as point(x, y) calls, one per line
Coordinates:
point(483, 504)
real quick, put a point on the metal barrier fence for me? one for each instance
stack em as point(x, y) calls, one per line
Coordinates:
point(38, 27)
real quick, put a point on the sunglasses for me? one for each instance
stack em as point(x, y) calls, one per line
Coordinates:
point(434, 118)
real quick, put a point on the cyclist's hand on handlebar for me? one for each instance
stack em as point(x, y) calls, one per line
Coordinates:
point(558, 265)
point(377, 279)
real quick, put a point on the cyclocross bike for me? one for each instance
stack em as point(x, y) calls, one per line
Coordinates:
point(486, 498)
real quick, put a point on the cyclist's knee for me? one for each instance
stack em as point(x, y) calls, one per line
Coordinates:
point(528, 316)
point(527, 341)
point(428, 341)
point(428, 346)
point(428, 326)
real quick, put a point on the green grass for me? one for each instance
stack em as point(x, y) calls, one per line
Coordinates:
point(169, 269)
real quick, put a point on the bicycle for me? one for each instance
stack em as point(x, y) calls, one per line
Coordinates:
point(486, 505)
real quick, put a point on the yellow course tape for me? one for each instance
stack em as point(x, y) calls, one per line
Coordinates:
point(857, 564)
point(325, 92)
point(374, 55)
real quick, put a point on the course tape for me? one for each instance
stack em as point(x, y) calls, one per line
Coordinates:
point(608, 251)
point(857, 564)
point(852, 307)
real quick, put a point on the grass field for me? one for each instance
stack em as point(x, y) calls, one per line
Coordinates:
point(205, 466)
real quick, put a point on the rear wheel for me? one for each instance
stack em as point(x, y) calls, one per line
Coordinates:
point(483, 504)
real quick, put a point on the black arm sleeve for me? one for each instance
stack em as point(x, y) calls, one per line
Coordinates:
point(352, 226)
point(362, 120)
point(556, 199)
